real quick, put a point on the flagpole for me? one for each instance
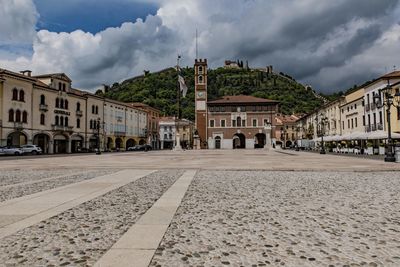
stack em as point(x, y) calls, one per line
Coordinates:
point(178, 91)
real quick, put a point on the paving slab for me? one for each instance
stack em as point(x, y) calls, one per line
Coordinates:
point(138, 245)
point(23, 212)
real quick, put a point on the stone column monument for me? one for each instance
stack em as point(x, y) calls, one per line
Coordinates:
point(267, 128)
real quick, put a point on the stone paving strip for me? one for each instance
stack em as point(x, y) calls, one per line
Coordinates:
point(19, 213)
point(138, 245)
point(21, 189)
point(80, 235)
point(15, 176)
point(264, 218)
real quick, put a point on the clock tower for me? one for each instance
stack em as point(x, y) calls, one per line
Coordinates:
point(200, 87)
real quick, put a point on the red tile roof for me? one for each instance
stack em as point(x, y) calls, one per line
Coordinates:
point(241, 99)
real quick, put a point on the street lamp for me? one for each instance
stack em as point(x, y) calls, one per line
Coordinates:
point(98, 136)
point(321, 125)
point(297, 138)
point(389, 101)
point(283, 140)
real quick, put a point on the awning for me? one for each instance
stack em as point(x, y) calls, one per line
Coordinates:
point(381, 135)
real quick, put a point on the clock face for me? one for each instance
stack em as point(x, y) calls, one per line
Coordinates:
point(200, 94)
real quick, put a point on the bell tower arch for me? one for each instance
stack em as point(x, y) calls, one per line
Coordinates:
point(200, 87)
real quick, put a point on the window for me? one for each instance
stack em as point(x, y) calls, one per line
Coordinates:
point(223, 123)
point(42, 119)
point(343, 125)
point(212, 123)
point(398, 113)
point(93, 109)
point(42, 100)
point(57, 103)
point(355, 121)
point(265, 122)
point(91, 124)
point(348, 123)
point(59, 86)
point(97, 110)
point(24, 117)
point(22, 96)
point(369, 119)
point(61, 120)
point(15, 94)
point(363, 103)
point(66, 121)
point(78, 106)
point(61, 103)
point(355, 106)
point(200, 79)
point(243, 123)
point(352, 123)
point(57, 120)
point(364, 120)
point(18, 116)
point(233, 123)
point(239, 122)
point(66, 104)
point(254, 122)
point(63, 87)
point(200, 69)
point(11, 115)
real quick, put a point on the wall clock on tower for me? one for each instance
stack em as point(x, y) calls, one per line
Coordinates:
point(200, 94)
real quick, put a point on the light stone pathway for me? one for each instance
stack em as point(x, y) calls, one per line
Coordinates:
point(28, 188)
point(81, 235)
point(255, 218)
point(23, 175)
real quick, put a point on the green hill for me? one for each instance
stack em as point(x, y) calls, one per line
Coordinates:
point(159, 89)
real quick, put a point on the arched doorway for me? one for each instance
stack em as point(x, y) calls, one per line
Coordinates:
point(93, 143)
point(118, 143)
point(60, 144)
point(17, 139)
point(110, 143)
point(217, 142)
point(259, 140)
point(142, 142)
point(130, 143)
point(239, 141)
point(76, 143)
point(42, 141)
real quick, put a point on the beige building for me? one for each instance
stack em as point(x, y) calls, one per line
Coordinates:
point(46, 111)
point(287, 130)
point(169, 126)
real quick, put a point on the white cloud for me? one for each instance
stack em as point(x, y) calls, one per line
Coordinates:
point(325, 43)
point(17, 21)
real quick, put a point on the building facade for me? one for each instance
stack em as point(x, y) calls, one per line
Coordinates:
point(46, 111)
point(169, 126)
point(239, 122)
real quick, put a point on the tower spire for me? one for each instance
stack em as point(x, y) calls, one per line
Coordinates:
point(197, 51)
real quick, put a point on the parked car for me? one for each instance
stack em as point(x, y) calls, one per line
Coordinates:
point(140, 148)
point(31, 149)
point(12, 151)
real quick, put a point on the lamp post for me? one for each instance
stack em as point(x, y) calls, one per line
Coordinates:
point(283, 140)
point(297, 138)
point(388, 101)
point(321, 124)
point(98, 136)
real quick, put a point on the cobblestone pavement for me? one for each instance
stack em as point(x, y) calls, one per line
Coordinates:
point(23, 175)
point(19, 190)
point(81, 235)
point(249, 218)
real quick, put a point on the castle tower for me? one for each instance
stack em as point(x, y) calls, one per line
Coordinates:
point(200, 87)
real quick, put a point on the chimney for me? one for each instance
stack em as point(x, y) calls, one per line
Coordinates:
point(27, 73)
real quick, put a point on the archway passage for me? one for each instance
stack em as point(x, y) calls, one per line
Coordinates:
point(239, 141)
point(60, 144)
point(16, 139)
point(118, 143)
point(93, 143)
point(110, 143)
point(217, 142)
point(130, 143)
point(42, 141)
point(76, 143)
point(142, 142)
point(260, 140)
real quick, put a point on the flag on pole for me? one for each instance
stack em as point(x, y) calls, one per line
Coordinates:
point(182, 85)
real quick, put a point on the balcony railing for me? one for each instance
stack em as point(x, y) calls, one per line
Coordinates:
point(61, 128)
point(18, 125)
point(368, 128)
point(379, 126)
point(373, 106)
point(43, 107)
point(367, 107)
point(79, 113)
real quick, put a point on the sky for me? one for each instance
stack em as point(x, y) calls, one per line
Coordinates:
point(330, 45)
